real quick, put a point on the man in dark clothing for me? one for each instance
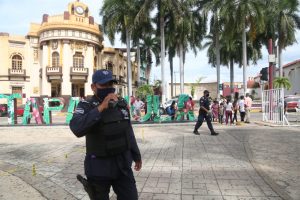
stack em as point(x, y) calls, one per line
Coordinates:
point(110, 142)
point(204, 113)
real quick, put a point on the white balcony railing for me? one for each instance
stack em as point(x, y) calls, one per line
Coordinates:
point(16, 71)
point(53, 69)
point(79, 70)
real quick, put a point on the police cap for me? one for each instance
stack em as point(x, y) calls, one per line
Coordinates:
point(103, 76)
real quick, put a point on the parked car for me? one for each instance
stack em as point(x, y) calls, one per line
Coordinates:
point(3, 110)
point(292, 102)
point(20, 110)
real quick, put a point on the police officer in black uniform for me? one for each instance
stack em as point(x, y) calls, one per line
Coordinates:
point(111, 146)
point(204, 113)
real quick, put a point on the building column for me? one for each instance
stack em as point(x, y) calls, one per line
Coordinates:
point(46, 86)
point(66, 87)
point(89, 63)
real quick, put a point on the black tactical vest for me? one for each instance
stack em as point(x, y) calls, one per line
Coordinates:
point(110, 136)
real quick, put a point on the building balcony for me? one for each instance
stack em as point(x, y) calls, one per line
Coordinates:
point(17, 74)
point(54, 73)
point(143, 79)
point(121, 80)
point(114, 77)
point(79, 74)
point(136, 83)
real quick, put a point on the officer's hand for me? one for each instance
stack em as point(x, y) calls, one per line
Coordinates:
point(138, 165)
point(104, 104)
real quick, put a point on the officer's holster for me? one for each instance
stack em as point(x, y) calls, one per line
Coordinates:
point(87, 186)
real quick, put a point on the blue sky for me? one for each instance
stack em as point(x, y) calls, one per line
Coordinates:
point(16, 16)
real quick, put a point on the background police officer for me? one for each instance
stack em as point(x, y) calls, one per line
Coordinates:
point(204, 113)
point(110, 142)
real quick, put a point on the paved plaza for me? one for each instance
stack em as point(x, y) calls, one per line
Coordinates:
point(243, 162)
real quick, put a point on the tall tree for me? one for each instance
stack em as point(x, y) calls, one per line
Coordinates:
point(118, 17)
point(190, 29)
point(244, 14)
point(215, 29)
point(162, 7)
point(283, 20)
point(149, 46)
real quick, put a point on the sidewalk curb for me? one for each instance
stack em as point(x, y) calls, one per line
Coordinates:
point(260, 123)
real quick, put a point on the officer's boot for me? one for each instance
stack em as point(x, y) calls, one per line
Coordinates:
point(196, 132)
point(214, 133)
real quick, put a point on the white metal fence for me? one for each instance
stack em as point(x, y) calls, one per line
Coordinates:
point(273, 106)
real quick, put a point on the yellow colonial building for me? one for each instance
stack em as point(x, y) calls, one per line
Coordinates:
point(58, 57)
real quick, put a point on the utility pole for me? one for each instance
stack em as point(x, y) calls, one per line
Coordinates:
point(175, 72)
point(271, 60)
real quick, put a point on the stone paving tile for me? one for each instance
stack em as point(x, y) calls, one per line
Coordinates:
point(176, 164)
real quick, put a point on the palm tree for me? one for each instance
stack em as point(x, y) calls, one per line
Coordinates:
point(149, 46)
point(162, 7)
point(241, 15)
point(230, 53)
point(140, 33)
point(282, 82)
point(118, 17)
point(189, 30)
point(215, 29)
point(287, 23)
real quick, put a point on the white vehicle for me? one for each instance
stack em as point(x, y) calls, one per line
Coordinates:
point(162, 109)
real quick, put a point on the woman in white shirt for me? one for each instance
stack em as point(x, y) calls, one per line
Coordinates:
point(228, 112)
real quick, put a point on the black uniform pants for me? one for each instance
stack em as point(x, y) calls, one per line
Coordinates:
point(200, 120)
point(124, 187)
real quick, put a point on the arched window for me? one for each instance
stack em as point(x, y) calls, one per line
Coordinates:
point(120, 70)
point(78, 60)
point(109, 66)
point(16, 62)
point(95, 62)
point(55, 59)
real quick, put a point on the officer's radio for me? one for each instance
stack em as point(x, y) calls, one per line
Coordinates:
point(121, 103)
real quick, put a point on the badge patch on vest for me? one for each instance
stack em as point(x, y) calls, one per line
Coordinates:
point(125, 113)
point(79, 111)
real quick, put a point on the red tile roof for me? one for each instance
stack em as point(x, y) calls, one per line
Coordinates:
point(291, 63)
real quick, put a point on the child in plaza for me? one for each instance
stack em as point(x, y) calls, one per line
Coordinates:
point(138, 105)
point(215, 111)
point(228, 112)
point(221, 113)
point(235, 106)
point(189, 106)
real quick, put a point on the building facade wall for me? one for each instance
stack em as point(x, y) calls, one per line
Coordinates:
point(198, 88)
point(67, 35)
point(292, 72)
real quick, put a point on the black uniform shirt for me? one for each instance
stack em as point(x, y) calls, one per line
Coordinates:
point(204, 102)
point(86, 115)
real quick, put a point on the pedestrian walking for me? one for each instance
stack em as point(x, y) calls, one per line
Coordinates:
point(221, 113)
point(204, 113)
point(215, 111)
point(235, 106)
point(110, 142)
point(248, 106)
point(138, 105)
point(228, 112)
point(242, 108)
